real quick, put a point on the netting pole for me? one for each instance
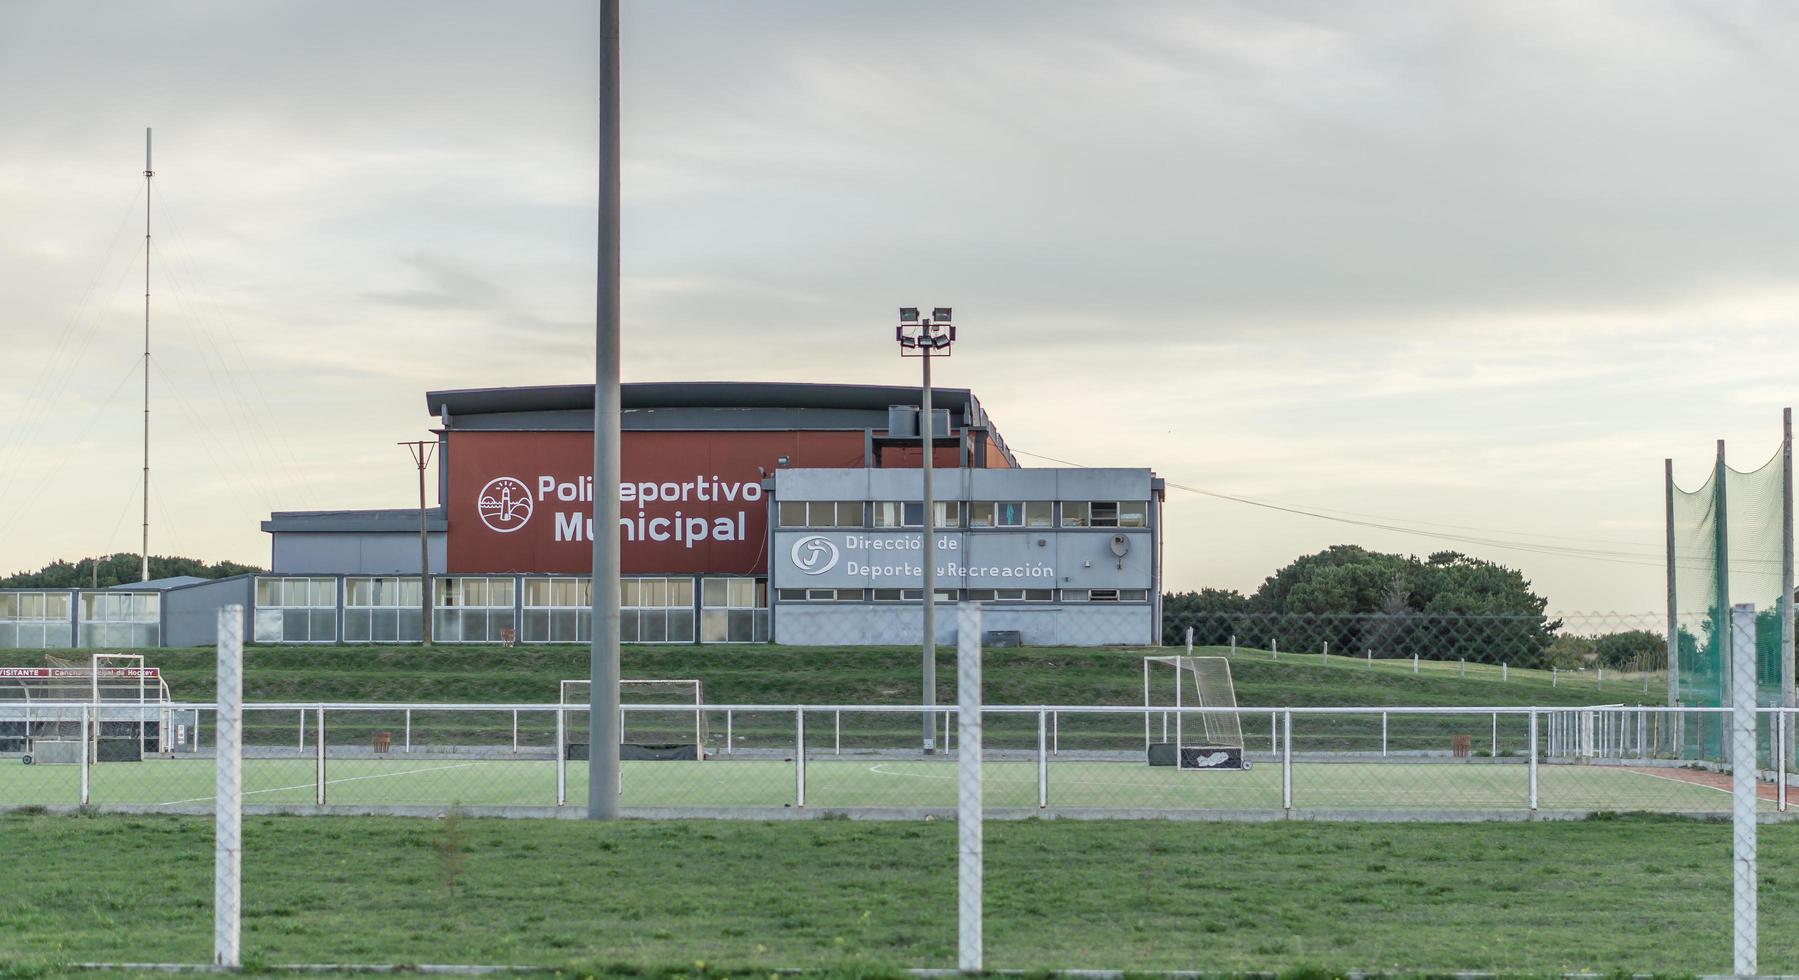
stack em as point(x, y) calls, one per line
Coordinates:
point(408, 731)
point(1287, 762)
point(515, 731)
point(1043, 761)
point(968, 779)
point(1274, 733)
point(1722, 612)
point(1533, 760)
point(1383, 734)
point(730, 736)
point(301, 744)
point(1785, 605)
point(1189, 641)
point(1780, 758)
point(799, 757)
point(1743, 796)
point(1495, 753)
point(318, 739)
point(228, 792)
point(837, 731)
point(1673, 617)
point(1055, 732)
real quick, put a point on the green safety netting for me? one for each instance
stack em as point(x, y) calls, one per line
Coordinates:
point(1726, 550)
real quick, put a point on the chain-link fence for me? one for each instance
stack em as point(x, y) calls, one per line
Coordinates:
point(1193, 747)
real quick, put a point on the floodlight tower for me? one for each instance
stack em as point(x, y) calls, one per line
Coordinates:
point(924, 338)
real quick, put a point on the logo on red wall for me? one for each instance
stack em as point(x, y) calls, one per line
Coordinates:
point(505, 504)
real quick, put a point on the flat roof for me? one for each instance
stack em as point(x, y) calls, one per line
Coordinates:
point(694, 394)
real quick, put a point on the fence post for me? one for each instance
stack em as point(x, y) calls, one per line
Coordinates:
point(515, 731)
point(1505, 672)
point(228, 792)
point(1495, 753)
point(1743, 796)
point(562, 755)
point(1055, 732)
point(1369, 653)
point(1043, 760)
point(1287, 762)
point(1233, 644)
point(408, 731)
point(1780, 757)
point(1274, 735)
point(1274, 647)
point(301, 744)
point(318, 739)
point(1599, 679)
point(1463, 668)
point(1383, 734)
point(1189, 641)
point(1555, 676)
point(86, 741)
point(730, 739)
point(799, 756)
point(968, 794)
point(1533, 760)
point(1327, 649)
point(1414, 663)
point(837, 732)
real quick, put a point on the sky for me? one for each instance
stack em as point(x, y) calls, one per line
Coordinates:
point(1471, 270)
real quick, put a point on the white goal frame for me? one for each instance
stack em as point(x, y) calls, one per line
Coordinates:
point(699, 702)
point(1182, 664)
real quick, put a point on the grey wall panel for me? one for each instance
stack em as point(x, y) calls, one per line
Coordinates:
point(354, 554)
point(1024, 484)
point(190, 616)
point(853, 624)
point(1102, 484)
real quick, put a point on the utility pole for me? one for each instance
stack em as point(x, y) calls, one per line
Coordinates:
point(144, 566)
point(421, 455)
point(602, 688)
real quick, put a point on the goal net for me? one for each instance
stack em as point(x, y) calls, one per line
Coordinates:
point(111, 708)
point(654, 715)
point(1209, 738)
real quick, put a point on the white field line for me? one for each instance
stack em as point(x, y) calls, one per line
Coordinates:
point(329, 782)
point(878, 769)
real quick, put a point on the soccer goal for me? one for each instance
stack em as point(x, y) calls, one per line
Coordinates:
point(1210, 739)
point(111, 709)
point(646, 729)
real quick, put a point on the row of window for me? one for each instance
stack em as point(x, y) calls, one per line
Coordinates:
point(949, 513)
point(40, 620)
point(480, 609)
point(971, 595)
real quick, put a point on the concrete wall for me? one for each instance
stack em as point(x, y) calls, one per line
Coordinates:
point(353, 554)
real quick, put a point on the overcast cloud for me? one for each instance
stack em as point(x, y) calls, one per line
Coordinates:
point(1450, 263)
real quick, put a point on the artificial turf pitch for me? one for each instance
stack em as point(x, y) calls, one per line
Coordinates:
point(836, 782)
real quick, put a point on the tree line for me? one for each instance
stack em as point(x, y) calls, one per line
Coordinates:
point(122, 568)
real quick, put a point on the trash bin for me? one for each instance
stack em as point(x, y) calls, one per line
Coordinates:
point(383, 741)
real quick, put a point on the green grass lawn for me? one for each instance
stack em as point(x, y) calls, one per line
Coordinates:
point(851, 783)
point(767, 674)
point(1629, 894)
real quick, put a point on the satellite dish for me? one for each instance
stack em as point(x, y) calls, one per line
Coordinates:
point(1120, 545)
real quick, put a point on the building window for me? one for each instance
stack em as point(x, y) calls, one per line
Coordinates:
point(1011, 595)
point(383, 609)
point(34, 620)
point(121, 619)
point(996, 513)
point(822, 595)
point(911, 595)
point(822, 513)
point(296, 610)
point(1105, 595)
point(1105, 513)
point(1039, 513)
point(910, 513)
point(558, 610)
point(733, 610)
point(471, 608)
point(655, 610)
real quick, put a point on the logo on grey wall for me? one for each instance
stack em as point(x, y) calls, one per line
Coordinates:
point(814, 555)
point(504, 504)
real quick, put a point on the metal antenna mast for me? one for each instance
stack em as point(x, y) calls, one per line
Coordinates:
point(144, 565)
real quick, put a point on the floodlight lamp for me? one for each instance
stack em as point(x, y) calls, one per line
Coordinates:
point(908, 314)
point(939, 341)
point(941, 314)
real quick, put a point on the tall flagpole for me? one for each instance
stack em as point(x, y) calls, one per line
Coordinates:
point(602, 691)
point(144, 559)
